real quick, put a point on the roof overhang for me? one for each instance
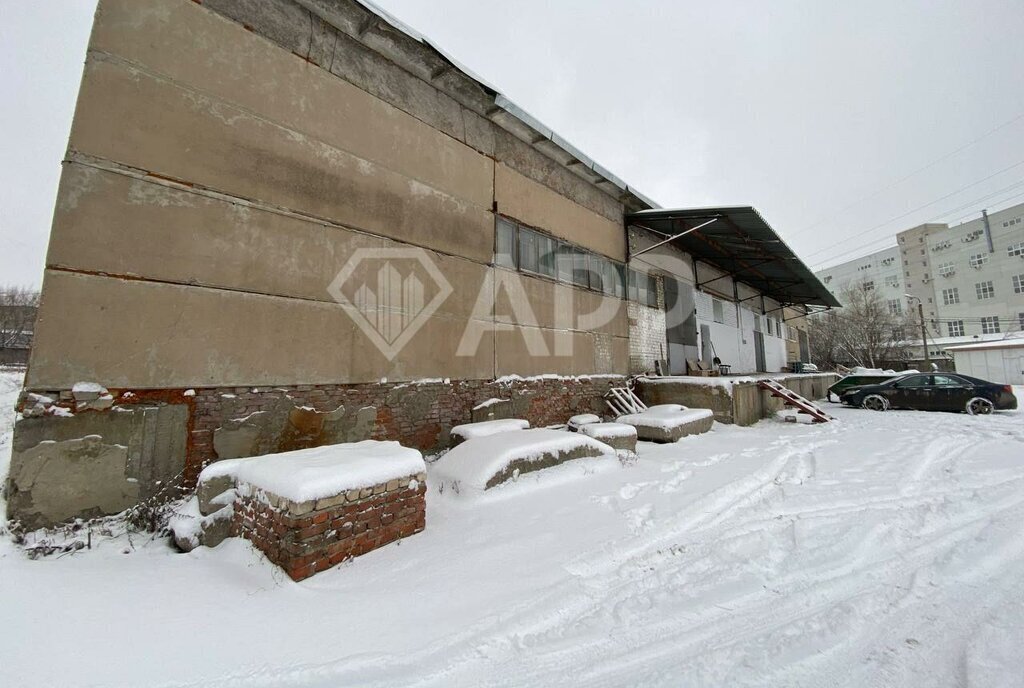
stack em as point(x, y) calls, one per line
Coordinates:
point(740, 243)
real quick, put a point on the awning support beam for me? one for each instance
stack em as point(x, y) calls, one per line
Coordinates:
point(672, 238)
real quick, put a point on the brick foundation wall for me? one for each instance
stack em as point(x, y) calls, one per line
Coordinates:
point(417, 415)
point(308, 537)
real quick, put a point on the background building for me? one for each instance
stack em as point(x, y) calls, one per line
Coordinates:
point(18, 307)
point(969, 277)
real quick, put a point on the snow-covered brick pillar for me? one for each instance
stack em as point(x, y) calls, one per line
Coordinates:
point(312, 509)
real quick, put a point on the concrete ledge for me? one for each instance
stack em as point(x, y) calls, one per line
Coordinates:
point(618, 436)
point(734, 400)
point(669, 422)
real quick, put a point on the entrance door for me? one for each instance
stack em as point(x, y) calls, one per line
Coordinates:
point(680, 324)
point(759, 352)
point(805, 347)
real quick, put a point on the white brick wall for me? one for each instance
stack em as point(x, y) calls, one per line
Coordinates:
point(646, 337)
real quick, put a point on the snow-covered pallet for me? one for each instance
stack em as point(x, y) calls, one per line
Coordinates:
point(481, 463)
point(311, 509)
point(669, 422)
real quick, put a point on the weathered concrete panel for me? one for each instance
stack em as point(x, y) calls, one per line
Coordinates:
point(516, 353)
point(289, 91)
point(177, 336)
point(182, 134)
point(168, 234)
point(554, 305)
point(528, 161)
point(539, 206)
point(93, 464)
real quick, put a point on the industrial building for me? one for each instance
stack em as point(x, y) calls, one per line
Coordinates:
point(290, 223)
point(969, 277)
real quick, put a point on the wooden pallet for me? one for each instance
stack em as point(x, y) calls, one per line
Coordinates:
point(623, 401)
point(791, 398)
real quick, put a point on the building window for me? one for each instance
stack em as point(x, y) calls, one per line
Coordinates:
point(892, 281)
point(956, 328)
point(547, 252)
point(565, 260)
point(1018, 284)
point(1020, 320)
point(768, 322)
point(643, 288)
point(717, 311)
point(531, 251)
point(869, 285)
point(985, 290)
point(990, 325)
point(951, 296)
point(528, 243)
point(596, 272)
point(1015, 249)
point(613, 279)
point(895, 307)
point(505, 244)
point(947, 269)
point(979, 259)
point(580, 268)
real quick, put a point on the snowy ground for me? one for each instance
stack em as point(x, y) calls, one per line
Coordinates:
point(880, 550)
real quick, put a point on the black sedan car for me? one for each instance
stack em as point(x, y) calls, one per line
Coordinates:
point(933, 392)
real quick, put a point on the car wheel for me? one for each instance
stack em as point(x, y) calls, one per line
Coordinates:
point(875, 402)
point(979, 406)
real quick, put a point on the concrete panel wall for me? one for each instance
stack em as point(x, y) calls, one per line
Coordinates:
point(134, 333)
point(539, 206)
point(185, 135)
point(234, 201)
point(238, 67)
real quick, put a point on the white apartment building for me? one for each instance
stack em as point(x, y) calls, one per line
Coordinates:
point(969, 277)
point(881, 270)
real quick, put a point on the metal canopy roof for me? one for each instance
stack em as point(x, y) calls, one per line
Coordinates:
point(742, 244)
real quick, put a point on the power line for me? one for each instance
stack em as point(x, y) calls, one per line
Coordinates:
point(863, 250)
point(908, 176)
point(922, 207)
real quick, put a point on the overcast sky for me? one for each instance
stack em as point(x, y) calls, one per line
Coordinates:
point(843, 123)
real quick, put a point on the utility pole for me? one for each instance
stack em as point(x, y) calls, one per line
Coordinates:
point(924, 335)
point(924, 330)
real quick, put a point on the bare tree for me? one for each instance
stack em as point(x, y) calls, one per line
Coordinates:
point(18, 306)
point(867, 331)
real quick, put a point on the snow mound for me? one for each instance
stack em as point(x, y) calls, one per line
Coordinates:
point(486, 428)
point(189, 526)
point(322, 471)
point(860, 370)
point(598, 430)
point(576, 422)
point(88, 388)
point(665, 416)
point(483, 462)
point(489, 402)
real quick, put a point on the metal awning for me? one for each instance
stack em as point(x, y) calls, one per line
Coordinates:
point(739, 242)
